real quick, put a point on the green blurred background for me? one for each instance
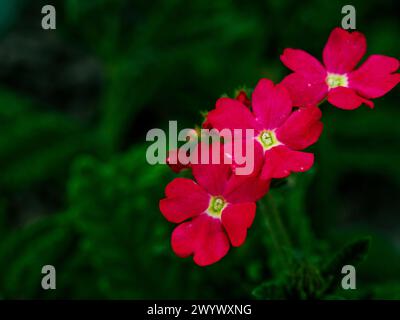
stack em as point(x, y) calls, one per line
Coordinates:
point(76, 191)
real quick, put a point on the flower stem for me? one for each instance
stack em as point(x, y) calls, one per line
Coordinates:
point(280, 240)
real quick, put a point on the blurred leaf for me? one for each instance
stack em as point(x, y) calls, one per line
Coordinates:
point(274, 289)
point(24, 252)
point(351, 254)
point(34, 145)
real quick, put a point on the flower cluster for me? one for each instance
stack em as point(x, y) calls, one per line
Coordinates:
point(215, 209)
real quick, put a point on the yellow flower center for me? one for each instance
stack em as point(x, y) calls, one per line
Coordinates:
point(268, 139)
point(217, 204)
point(334, 80)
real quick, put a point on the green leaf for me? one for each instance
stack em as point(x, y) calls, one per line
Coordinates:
point(305, 282)
point(351, 254)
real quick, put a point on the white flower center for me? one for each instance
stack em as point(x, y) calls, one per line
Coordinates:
point(334, 80)
point(268, 139)
point(217, 204)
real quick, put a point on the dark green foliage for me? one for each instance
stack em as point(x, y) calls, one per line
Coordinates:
point(22, 159)
point(305, 280)
point(101, 210)
point(351, 254)
point(24, 253)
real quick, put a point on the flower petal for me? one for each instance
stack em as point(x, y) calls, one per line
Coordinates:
point(375, 76)
point(184, 199)
point(243, 98)
point(174, 163)
point(246, 156)
point(301, 129)
point(212, 177)
point(231, 114)
point(236, 219)
point(204, 237)
point(271, 104)
point(343, 50)
point(303, 63)
point(346, 98)
point(281, 161)
point(305, 91)
point(245, 189)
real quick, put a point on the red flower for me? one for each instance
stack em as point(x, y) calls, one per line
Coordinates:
point(345, 87)
point(279, 132)
point(242, 97)
point(219, 208)
point(173, 155)
point(174, 163)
